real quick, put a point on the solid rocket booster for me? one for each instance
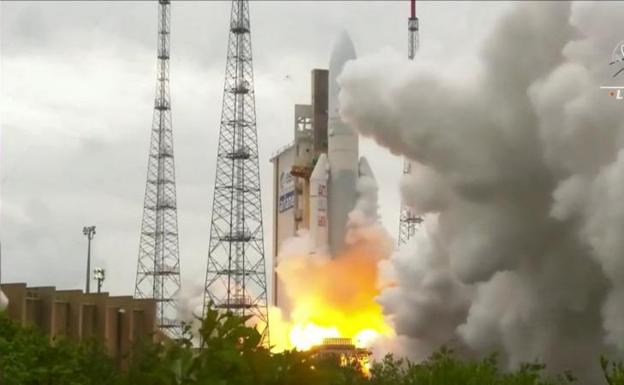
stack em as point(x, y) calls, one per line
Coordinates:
point(365, 170)
point(342, 150)
point(367, 191)
point(319, 228)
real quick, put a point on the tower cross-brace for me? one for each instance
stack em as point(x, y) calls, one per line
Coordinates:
point(408, 221)
point(236, 272)
point(158, 271)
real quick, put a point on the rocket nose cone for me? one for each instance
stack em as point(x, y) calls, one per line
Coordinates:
point(320, 168)
point(342, 51)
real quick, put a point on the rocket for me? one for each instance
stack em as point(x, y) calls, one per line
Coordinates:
point(319, 219)
point(333, 182)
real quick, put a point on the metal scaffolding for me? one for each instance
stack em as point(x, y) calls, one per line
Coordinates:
point(158, 271)
point(236, 272)
point(408, 222)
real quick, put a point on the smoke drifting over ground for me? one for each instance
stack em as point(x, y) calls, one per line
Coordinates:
point(521, 176)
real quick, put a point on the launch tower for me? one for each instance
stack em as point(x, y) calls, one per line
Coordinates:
point(236, 273)
point(158, 271)
point(408, 220)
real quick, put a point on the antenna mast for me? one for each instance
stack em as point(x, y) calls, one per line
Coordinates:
point(409, 221)
point(158, 271)
point(236, 272)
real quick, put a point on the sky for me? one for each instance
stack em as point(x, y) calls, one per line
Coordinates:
point(77, 83)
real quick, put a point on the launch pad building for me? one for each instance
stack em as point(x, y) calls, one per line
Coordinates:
point(292, 169)
point(315, 177)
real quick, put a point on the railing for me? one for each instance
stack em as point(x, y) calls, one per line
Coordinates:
point(281, 149)
point(239, 26)
point(237, 236)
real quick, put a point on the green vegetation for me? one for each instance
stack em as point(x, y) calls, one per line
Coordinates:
point(230, 355)
point(27, 358)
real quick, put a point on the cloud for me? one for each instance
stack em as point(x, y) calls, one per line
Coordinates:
point(525, 256)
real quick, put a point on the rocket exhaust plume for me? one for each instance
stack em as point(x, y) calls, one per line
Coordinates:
point(521, 177)
point(334, 296)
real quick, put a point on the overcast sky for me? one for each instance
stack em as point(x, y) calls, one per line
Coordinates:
point(76, 88)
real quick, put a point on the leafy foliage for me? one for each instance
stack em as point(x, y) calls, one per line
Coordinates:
point(28, 358)
point(442, 368)
point(614, 372)
point(230, 354)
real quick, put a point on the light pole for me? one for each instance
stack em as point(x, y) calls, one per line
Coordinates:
point(99, 275)
point(90, 233)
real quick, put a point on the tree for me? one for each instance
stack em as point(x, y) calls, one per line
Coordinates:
point(230, 354)
point(28, 358)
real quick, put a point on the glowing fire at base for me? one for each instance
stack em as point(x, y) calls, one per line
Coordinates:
point(306, 335)
point(332, 297)
point(309, 335)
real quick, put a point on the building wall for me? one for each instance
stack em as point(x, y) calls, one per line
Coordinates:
point(291, 172)
point(284, 207)
point(117, 322)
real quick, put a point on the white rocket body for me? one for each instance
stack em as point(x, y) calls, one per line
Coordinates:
point(342, 151)
point(334, 179)
point(319, 221)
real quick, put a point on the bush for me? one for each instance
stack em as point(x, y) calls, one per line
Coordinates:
point(442, 368)
point(230, 354)
point(27, 358)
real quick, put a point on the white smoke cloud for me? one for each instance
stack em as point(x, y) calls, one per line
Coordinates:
point(521, 157)
point(4, 301)
point(189, 306)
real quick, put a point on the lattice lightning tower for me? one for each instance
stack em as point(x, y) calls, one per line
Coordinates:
point(236, 276)
point(158, 271)
point(408, 220)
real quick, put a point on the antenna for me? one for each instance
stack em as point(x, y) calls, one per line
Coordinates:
point(409, 221)
point(158, 270)
point(236, 275)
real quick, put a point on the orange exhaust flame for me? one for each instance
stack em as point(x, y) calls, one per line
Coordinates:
point(332, 297)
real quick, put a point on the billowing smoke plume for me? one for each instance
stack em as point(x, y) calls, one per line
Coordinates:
point(189, 303)
point(521, 176)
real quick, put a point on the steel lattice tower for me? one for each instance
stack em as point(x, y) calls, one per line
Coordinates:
point(408, 221)
point(236, 275)
point(158, 271)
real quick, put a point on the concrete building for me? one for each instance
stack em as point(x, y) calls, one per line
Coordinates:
point(292, 167)
point(116, 322)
